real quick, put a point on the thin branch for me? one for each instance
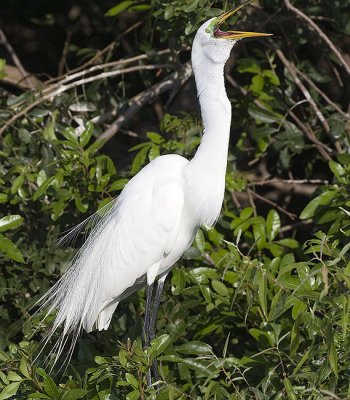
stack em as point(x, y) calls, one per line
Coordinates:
point(98, 67)
point(321, 147)
point(98, 54)
point(322, 35)
point(321, 93)
point(292, 70)
point(146, 97)
point(63, 88)
point(290, 181)
point(273, 204)
point(15, 59)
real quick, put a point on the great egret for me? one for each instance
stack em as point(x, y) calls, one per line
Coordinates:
point(157, 215)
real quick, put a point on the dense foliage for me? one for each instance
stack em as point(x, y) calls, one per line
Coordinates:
point(257, 308)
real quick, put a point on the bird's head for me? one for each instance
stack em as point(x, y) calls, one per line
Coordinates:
point(216, 43)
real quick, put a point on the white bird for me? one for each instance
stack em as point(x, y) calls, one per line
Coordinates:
point(157, 215)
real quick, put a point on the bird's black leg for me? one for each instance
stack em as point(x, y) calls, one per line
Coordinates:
point(146, 325)
point(153, 321)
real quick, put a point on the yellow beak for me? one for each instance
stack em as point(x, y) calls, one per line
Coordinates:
point(234, 34)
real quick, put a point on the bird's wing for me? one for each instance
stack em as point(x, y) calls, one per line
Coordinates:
point(136, 233)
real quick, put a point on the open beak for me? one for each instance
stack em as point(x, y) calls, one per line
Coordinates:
point(234, 34)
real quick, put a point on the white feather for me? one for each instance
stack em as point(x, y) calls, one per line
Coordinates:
point(156, 216)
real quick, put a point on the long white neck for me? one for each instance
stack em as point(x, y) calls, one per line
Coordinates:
point(208, 166)
point(216, 113)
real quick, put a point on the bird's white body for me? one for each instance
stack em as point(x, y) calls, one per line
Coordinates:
point(157, 215)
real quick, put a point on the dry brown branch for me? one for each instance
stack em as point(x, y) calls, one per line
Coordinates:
point(290, 227)
point(273, 204)
point(13, 76)
point(322, 35)
point(72, 76)
point(15, 59)
point(321, 147)
point(290, 181)
point(321, 93)
point(96, 56)
point(146, 97)
point(244, 91)
point(63, 88)
point(292, 70)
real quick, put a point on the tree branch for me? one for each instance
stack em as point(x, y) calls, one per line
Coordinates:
point(52, 92)
point(293, 71)
point(322, 35)
point(15, 59)
point(145, 97)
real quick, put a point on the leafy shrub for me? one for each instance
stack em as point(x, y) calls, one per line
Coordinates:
point(257, 308)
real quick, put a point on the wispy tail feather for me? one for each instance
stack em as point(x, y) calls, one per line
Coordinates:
point(77, 295)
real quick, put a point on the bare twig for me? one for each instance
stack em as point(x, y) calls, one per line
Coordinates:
point(290, 227)
point(293, 71)
point(98, 54)
point(63, 88)
point(273, 204)
point(251, 201)
point(290, 181)
point(321, 93)
point(146, 97)
point(322, 35)
point(72, 76)
point(321, 147)
point(15, 59)
point(303, 187)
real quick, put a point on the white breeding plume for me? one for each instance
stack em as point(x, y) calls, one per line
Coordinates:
point(157, 215)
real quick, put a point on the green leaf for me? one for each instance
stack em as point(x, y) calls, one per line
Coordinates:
point(10, 222)
point(42, 188)
point(13, 377)
point(178, 281)
point(273, 224)
point(321, 200)
point(259, 233)
point(119, 8)
point(154, 152)
point(134, 395)
point(9, 390)
point(248, 65)
point(220, 288)
point(261, 115)
point(86, 135)
point(49, 385)
point(37, 395)
point(263, 293)
point(23, 367)
point(139, 160)
point(195, 347)
point(288, 242)
point(118, 185)
point(10, 249)
point(298, 308)
point(49, 130)
point(3, 198)
point(155, 137)
point(17, 183)
point(257, 84)
point(70, 134)
point(338, 171)
point(272, 76)
point(132, 380)
point(74, 394)
point(159, 344)
point(331, 349)
point(289, 389)
point(200, 240)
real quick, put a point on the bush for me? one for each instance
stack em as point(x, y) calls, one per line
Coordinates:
point(257, 308)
